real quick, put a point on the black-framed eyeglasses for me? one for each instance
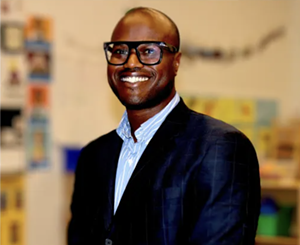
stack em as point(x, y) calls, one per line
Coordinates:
point(148, 52)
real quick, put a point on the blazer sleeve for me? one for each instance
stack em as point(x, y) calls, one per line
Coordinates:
point(77, 227)
point(227, 187)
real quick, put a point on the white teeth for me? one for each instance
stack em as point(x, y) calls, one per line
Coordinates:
point(134, 79)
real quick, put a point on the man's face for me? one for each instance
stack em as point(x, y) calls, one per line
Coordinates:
point(155, 84)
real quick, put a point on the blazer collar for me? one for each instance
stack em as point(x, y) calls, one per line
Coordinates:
point(162, 141)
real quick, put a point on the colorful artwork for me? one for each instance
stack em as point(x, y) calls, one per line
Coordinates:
point(226, 110)
point(252, 117)
point(12, 38)
point(13, 83)
point(38, 65)
point(38, 144)
point(38, 100)
point(245, 111)
point(12, 213)
point(38, 37)
point(14, 79)
point(38, 96)
point(263, 139)
point(38, 32)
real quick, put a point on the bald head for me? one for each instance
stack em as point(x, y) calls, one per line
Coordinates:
point(155, 16)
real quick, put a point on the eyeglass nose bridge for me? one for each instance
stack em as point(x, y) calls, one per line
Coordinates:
point(137, 53)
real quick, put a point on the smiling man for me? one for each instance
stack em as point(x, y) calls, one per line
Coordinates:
point(167, 175)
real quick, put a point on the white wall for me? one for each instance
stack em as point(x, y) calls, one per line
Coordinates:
point(79, 65)
point(83, 107)
point(295, 53)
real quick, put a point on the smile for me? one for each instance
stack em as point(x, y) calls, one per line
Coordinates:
point(134, 79)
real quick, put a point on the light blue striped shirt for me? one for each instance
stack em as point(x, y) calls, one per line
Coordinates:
point(131, 151)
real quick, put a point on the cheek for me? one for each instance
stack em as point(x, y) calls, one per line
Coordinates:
point(166, 72)
point(111, 73)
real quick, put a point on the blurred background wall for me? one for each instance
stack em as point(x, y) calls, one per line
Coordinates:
point(249, 49)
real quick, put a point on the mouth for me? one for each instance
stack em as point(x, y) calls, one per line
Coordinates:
point(134, 79)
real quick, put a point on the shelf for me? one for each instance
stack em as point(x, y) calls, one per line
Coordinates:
point(280, 185)
point(13, 160)
point(260, 240)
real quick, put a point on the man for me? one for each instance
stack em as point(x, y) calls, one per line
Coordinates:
point(167, 175)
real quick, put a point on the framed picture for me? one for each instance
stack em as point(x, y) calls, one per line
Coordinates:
point(38, 95)
point(38, 100)
point(38, 32)
point(39, 65)
point(13, 84)
point(38, 144)
point(12, 37)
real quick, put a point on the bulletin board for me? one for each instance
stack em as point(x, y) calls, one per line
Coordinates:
point(252, 116)
point(12, 209)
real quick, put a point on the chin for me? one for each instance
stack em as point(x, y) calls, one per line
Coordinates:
point(134, 105)
point(141, 104)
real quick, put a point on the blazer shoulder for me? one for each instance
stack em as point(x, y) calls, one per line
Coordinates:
point(102, 142)
point(214, 129)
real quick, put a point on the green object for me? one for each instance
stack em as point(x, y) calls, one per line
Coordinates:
point(284, 220)
point(276, 224)
point(268, 219)
point(267, 224)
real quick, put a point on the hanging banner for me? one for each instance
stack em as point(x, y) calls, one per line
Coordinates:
point(38, 144)
point(38, 101)
point(38, 32)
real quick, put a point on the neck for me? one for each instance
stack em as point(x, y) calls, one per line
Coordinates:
point(137, 117)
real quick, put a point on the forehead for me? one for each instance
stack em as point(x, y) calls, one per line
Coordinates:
point(141, 27)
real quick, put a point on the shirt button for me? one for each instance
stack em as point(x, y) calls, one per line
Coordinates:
point(130, 161)
point(108, 242)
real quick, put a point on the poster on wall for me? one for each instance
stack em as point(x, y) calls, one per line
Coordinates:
point(38, 32)
point(12, 209)
point(39, 65)
point(12, 81)
point(12, 37)
point(38, 100)
point(245, 111)
point(38, 144)
point(251, 116)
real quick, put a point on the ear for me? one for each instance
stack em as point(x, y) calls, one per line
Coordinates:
point(176, 62)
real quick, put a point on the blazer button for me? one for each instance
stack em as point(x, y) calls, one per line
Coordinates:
point(108, 241)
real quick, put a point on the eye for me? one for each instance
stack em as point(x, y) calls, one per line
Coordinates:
point(119, 51)
point(149, 51)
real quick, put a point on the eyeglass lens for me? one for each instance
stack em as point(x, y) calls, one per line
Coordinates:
point(149, 53)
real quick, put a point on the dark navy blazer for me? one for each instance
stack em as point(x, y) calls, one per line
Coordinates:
point(197, 182)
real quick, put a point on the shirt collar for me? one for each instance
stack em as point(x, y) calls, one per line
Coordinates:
point(148, 128)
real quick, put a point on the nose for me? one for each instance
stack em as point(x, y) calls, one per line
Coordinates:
point(133, 60)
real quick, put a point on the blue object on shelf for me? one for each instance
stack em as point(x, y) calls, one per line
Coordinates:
point(268, 219)
point(268, 206)
point(71, 155)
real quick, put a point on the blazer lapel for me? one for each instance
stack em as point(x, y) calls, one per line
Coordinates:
point(163, 140)
point(109, 175)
